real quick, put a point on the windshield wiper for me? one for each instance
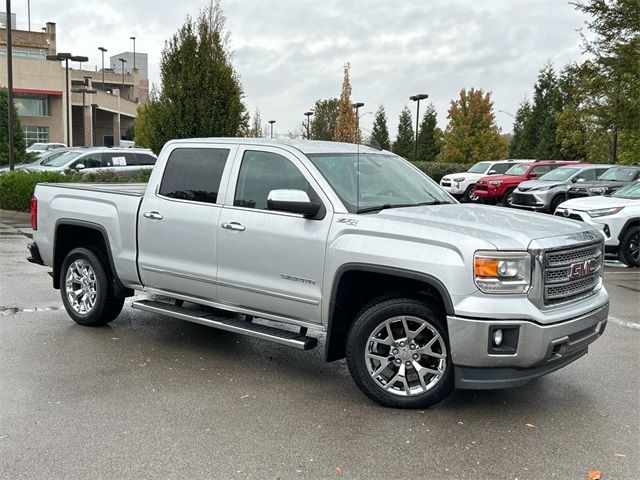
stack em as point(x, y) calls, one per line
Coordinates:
point(400, 205)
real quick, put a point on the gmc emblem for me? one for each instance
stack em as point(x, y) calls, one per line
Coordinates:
point(582, 269)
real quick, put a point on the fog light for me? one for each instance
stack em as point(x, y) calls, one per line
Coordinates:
point(497, 337)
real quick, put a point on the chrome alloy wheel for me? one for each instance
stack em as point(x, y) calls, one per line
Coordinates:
point(81, 287)
point(406, 356)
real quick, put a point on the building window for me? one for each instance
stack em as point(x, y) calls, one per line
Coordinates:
point(32, 106)
point(17, 52)
point(35, 134)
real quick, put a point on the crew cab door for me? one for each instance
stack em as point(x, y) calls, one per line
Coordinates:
point(271, 261)
point(178, 223)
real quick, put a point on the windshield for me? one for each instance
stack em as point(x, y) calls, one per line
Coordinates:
point(37, 146)
point(559, 174)
point(385, 181)
point(519, 169)
point(480, 167)
point(619, 174)
point(60, 160)
point(631, 191)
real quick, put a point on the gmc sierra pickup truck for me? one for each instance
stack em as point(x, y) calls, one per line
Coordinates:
point(272, 239)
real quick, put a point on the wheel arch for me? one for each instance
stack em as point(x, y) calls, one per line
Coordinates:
point(71, 233)
point(631, 222)
point(342, 309)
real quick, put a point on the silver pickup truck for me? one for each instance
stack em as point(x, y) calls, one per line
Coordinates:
point(275, 238)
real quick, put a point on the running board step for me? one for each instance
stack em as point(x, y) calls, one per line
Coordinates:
point(233, 324)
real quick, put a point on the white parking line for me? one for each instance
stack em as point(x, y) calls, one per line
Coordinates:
point(624, 323)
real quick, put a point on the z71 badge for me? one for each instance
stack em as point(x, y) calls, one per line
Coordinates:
point(352, 222)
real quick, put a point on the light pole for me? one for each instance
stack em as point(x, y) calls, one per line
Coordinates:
point(417, 98)
point(84, 90)
point(94, 112)
point(271, 122)
point(357, 106)
point(508, 113)
point(134, 52)
point(74, 58)
point(122, 61)
point(10, 85)
point(102, 49)
point(308, 115)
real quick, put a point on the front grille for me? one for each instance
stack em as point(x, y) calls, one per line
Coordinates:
point(445, 183)
point(559, 287)
point(520, 199)
point(481, 187)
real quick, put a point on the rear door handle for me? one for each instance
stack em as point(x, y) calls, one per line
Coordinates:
point(233, 226)
point(152, 215)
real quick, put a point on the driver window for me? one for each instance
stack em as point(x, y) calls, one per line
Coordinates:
point(91, 160)
point(501, 167)
point(586, 176)
point(261, 172)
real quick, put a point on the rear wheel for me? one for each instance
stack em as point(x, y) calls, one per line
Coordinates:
point(507, 198)
point(629, 249)
point(86, 287)
point(398, 354)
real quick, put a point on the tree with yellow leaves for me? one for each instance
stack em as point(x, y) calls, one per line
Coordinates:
point(347, 124)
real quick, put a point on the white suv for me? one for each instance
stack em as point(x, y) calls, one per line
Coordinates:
point(617, 216)
point(460, 185)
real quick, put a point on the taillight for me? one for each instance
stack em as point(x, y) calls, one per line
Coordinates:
point(34, 213)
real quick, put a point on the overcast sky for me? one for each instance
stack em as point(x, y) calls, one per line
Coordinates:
point(290, 53)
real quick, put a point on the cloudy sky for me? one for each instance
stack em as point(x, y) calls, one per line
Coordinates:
point(290, 53)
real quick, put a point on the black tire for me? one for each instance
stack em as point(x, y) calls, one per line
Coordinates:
point(629, 248)
point(505, 197)
point(107, 306)
point(466, 196)
point(358, 344)
point(555, 202)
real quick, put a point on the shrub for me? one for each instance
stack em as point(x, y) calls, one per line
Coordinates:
point(437, 170)
point(16, 188)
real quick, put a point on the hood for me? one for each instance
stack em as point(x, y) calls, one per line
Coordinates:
point(505, 228)
point(465, 175)
point(535, 184)
point(592, 203)
point(502, 178)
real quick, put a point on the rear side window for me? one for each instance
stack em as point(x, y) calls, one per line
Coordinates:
point(194, 174)
point(117, 159)
point(542, 169)
point(145, 159)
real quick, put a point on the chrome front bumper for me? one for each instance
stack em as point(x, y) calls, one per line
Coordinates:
point(539, 349)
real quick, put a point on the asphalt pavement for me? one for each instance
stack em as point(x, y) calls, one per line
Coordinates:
point(151, 397)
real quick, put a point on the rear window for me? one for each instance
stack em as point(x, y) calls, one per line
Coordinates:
point(194, 174)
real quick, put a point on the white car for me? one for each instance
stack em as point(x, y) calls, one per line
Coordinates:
point(460, 185)
point(617, 216)
point(43, 147)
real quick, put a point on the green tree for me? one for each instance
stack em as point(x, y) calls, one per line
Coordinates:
point(403, 145)
point(256, 126)
point(18, 138)
point(430, 137)
point(547, 103)
point(325, 119)
point(472, 134)
point(200, 93)
point(380, 132)
point(523, 142)
point(346, 125)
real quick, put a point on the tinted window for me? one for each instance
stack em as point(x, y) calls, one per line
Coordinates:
point(542, 169)
point(90, 160)
point(194, 174)
point(118, 159)
point(145, 159)
point(262, 172)
point(587, 175)
point(501, 167)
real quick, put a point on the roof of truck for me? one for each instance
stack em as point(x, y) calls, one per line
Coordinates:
point(305, 146)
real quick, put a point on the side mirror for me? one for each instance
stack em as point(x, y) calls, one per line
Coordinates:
point(491, 172)
point(533, 175)
point(578, 180)
point(79, 166)
point(292, 201)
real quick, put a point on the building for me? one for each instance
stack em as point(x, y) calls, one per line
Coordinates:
point(102, 105)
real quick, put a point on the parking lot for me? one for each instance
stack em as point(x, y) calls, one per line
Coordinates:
point(151, 397)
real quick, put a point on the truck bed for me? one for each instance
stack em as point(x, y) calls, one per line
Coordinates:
point(134, 189)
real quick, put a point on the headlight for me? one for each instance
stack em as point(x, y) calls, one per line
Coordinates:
point(495, 182)
point(502, 272)
point(458, 179)
point(542, 189)
point(603, 212)
point(598, 189)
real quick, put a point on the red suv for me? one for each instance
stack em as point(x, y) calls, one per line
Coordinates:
point(498, 188)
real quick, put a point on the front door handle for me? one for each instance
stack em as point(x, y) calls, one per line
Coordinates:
point(152, 215)
point(233, 226)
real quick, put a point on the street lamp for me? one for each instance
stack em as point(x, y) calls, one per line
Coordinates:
point(417, 98)
point(134, 52)
point(94, 112)
point(308, 115)
point(74, 58)
point(10, 85)
point(122, 61)
point(84, 90)
point(102, 49)
point(357, 105)
point(507, 113)
point(271, 122)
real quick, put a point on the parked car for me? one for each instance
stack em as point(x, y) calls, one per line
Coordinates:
point(420, 293)
point(617, 216)
point(125, 161)
point(460, 185)
point(610, 181)
point(499, 188)
point(550, 190)
point(43, 147)
point(36, 160)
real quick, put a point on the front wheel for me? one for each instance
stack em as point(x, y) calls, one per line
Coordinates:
point(87, 289)
point(629, 249)
point(398, 355)
point(468, 195)
point(507, 198)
